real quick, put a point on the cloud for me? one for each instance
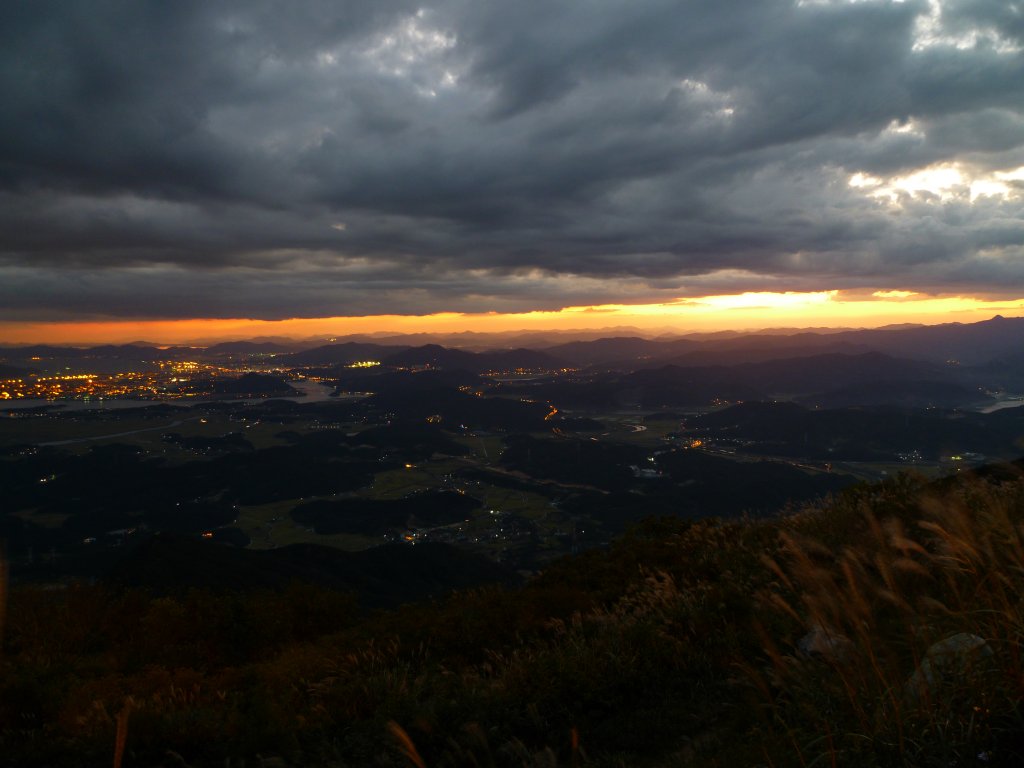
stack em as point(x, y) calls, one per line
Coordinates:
point(265, 159)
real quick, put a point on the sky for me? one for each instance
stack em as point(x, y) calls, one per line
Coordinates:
point(198, 169)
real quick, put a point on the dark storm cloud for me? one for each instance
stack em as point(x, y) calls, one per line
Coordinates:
point(269, 159)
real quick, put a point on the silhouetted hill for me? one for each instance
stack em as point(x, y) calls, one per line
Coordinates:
point(14, 372)
point(402, 382)
point(437, 356)
point(433, 355)
point(382, 576)
point(672, 385)
point(259, 384)
point(861, 434)
point(455, 408)
point(907, 394)
point(246, 348)
point(816, 372)
point(966, 343)
point(1006, 371)
point(676, 385)
point(711, 485)
point(511, 359)
point(760, 349)
point(332, 354)
point(623, 350)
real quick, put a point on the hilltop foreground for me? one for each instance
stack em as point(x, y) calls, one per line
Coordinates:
point(882, 628)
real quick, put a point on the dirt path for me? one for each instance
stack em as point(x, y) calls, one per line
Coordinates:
point(177, 423)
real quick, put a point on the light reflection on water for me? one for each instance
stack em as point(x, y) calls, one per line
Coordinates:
point(1001, 404)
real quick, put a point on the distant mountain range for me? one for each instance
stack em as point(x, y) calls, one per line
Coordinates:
point(994, 345)
point(966, 344)
point(869, 378)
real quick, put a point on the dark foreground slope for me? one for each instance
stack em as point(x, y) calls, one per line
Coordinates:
point(382, 576)
point(881, 630)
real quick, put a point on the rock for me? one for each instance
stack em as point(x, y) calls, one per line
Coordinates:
point(173, 760)
point(824, 644)
point(946, 662)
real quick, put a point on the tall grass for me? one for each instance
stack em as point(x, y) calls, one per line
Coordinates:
point(912, 646)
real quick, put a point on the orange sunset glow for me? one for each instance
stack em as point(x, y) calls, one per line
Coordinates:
point(744, 311)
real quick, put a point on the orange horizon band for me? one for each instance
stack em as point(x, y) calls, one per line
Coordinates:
point(736, 312)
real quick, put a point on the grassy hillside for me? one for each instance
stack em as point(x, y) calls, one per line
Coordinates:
point(881, 629)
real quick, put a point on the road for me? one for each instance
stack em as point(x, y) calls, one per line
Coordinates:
point(177, 423)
